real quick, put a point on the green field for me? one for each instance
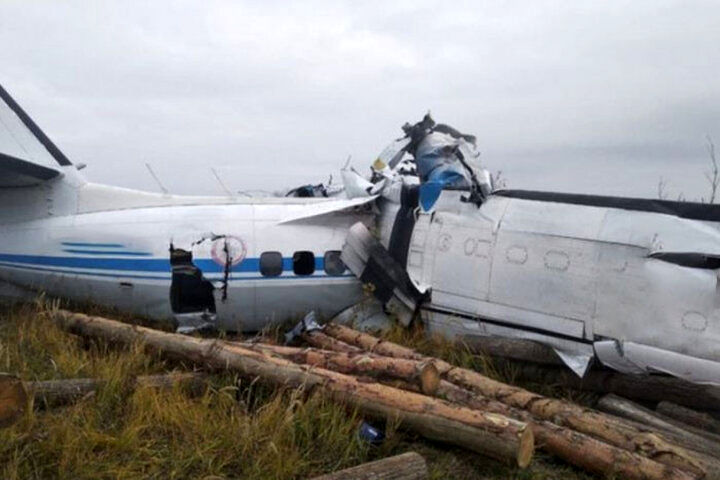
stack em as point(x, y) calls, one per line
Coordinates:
point(237, 428)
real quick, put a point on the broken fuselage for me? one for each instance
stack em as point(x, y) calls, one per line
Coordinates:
point(632, 282)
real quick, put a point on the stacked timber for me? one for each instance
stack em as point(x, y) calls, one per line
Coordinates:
point(434, 398)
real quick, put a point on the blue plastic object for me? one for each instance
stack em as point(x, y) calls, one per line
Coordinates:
point(370, 434)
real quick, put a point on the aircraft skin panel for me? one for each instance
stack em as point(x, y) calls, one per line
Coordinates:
point(543, 273)
point(463, 256)
point(652, 230)
point(452, 325)
point(579, 271)
point(553, 219)
point(659, 304)
point(122, 259)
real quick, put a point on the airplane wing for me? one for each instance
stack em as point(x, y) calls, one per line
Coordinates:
point(27, 156)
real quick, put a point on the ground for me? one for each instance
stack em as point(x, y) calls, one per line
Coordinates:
point(237, 428)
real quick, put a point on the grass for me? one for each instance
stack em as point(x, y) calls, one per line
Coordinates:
point(244, 429)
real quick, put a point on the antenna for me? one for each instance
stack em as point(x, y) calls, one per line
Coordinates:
point(157, 180)
point(222, 185)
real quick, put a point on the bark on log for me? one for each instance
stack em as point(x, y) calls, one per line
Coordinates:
point(511, 348)
point(575, 448)
point(52, 393)
point(606, 428)
point(645, 388)
point(625, 408)
point(490, 434)
point(320, 340)
point(424, 373)
point(13, 399)
point(581, 450)
point(701, 420)
point(408, 466)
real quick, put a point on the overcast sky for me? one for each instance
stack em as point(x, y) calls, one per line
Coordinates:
point(600, 97)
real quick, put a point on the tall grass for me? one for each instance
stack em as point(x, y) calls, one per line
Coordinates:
point(235, 429)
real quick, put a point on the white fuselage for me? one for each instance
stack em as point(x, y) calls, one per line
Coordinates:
point(103, 247)
point(577, 277)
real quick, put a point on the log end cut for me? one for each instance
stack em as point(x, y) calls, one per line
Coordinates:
point(429, 378)
point(527, 447)
point(13, 399)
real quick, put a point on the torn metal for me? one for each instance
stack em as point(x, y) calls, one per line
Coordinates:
point(630, 282)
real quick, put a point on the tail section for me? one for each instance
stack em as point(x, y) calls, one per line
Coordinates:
point(34, 173)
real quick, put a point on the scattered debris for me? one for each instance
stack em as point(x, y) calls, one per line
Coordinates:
point(373, 436)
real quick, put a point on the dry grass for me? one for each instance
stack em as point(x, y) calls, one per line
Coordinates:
point(250, 431)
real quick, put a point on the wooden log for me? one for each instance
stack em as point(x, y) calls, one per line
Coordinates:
point(52, 393)
point(369, 343)
point(518, 349)
point(424, 373)
point(575, 448)
point(696, 419)
point(320, 340)
point(713, 437)
point(566, 414)
point(408, 466)
point(493, 435)
point(643, 388)
point(611, 403)
point(13, 399)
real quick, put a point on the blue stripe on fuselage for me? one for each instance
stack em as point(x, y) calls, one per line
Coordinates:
point(95, 245)
point(152, 265)
point(166, 277)
point(108, 252)
point(126, 264)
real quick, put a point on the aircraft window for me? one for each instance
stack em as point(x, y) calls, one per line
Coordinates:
point(271, 264)
point(333, 264)
point(303, 263)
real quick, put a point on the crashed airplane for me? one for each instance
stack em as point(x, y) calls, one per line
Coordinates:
point(630, 282)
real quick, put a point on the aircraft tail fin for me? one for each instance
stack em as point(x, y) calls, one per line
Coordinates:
point(27, 156)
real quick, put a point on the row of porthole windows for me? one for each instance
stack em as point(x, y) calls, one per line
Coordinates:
point(271, 263)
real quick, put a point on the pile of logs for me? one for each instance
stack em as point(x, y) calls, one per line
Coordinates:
point(443, 402)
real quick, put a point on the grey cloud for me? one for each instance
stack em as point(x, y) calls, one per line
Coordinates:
point(579, 96)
